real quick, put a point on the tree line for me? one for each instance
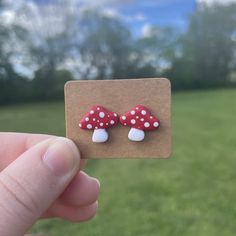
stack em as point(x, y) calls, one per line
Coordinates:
point(95, 46)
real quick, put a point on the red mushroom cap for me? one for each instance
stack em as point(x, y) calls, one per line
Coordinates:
point(140, 117)
point(98, 117)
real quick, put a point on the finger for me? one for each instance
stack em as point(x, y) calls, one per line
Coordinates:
point(75, 214)
point(30, 184)
point(83, 190)
point(14, 144)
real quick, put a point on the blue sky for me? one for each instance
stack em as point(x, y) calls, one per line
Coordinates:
point(168, 12)
point(138, 14)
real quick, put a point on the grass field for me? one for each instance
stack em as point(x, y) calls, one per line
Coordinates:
point(191, 194)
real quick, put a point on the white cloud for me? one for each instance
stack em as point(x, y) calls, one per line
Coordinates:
point(146, 30)
point(210, 2)
point(112, 13)
point(7, 17)
point(42, 20)
point(138, 17)
point(101, 3)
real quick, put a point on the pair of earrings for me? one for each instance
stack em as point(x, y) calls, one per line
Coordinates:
point(139, 118)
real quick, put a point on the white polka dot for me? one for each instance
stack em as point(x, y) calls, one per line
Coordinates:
point(89, 126)
point(123, 117)
point(101, 114)
point(92, 112)
point(94, 119)
point(146, 124)
point(106, 123)
point(125, 124)
point(151, 117)
point(136, 108)
point(156, 124)
point(101, 124)
point(133, 121)
point(132, 112)
point(115, 114)
point(137, 117)
point(142, 119)
point(96, 127)
point(80, 125)
point(112, 122)
point(98, 108)
point(87, 119)
point(143, 112)
point(98, 121)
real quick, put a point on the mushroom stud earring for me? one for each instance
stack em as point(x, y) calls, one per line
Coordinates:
point(99, 119)
point(140, 119)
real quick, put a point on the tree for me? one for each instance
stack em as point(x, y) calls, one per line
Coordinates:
point(13, 87)
point(48, 40)
point(158, 48)
point(207, 48)
point(46, 45)
point(41, 92)
point(105, 46)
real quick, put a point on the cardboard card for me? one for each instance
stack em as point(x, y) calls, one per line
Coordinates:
point(120, 96)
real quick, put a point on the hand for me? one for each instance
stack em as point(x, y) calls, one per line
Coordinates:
point(40, 178)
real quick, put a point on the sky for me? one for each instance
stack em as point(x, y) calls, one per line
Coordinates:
point(138, 15)
point(154, 12)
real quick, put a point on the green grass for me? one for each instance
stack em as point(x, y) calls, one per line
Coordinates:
point(191, 194)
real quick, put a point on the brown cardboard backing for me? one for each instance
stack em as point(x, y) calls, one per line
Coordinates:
point(120, 96)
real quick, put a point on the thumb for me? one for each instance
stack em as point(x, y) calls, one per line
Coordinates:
point(30, 184)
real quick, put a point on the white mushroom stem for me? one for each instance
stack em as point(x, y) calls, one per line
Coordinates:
point(99, 136)
point(136, 135)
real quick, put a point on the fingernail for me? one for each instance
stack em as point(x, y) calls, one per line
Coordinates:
point(61, 157)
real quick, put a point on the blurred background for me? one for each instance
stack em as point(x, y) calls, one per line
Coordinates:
point(44, 43)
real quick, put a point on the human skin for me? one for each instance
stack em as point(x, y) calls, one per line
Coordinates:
point(41, 177)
